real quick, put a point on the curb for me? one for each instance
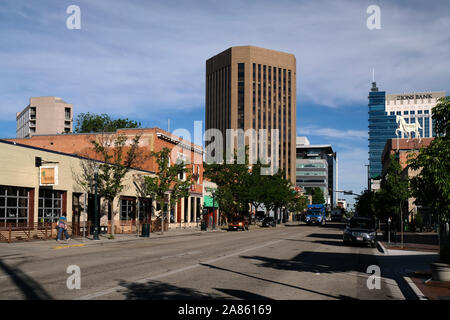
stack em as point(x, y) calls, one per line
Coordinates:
point(414, 288)
point(381, 248)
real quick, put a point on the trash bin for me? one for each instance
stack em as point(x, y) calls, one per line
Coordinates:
point(203, 226)
point(146, 230)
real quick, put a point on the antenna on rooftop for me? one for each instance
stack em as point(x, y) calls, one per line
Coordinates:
point(373, 74)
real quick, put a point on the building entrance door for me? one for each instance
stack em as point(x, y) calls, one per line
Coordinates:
point(76, 211)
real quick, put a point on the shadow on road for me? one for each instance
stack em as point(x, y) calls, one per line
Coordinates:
point(392, 267)
point(242, 294)
point(325, 236)
point(156, 290)
point(341, 297)
point(31, 289)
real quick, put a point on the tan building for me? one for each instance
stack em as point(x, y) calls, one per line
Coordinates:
point(44, 115)
point(33, 197)
point(254, 88)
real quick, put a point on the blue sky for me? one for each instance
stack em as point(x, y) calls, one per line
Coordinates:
point(145, 60)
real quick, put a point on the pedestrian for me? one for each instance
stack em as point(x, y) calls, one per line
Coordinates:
point(62, 227)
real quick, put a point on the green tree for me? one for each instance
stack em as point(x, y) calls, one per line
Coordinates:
point(279, 192)
point(90, 122)
point(393, 194)
point(168, 180)
point(431, 187)
point(364, 205)
point(117, 160)
point(318, 197)
point(232, 180)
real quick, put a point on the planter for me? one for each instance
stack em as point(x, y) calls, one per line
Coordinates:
point(440, 271)
point(444, 242)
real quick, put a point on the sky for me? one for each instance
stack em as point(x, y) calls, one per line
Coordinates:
point(145, 60)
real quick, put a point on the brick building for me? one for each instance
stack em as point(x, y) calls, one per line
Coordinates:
point(403, 150)
point(186, 211)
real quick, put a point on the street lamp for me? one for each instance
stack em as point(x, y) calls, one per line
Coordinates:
point(95, 204)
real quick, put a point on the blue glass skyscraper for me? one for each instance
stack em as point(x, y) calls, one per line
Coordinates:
point(381, 128)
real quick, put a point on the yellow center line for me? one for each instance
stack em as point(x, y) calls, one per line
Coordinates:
point(70, 246)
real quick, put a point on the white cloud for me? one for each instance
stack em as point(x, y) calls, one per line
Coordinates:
point(135, 56)
point(332, 133)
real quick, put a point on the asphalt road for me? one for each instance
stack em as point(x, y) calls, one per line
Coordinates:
point(296, 262)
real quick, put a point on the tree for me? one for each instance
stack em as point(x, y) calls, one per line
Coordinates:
point(232, 180)
point(431, 187)
point(114, 160)
point(168, 181)
point(116, 163)
point(298, 204)
point(90, 122)
point(318, 197)
point(280, 192)
point(364, 206)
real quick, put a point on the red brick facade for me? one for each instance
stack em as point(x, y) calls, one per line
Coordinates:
point(152, 139)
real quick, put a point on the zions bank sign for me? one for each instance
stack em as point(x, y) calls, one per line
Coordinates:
point(417, 96)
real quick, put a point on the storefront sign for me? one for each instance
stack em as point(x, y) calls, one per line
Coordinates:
point(48, 176)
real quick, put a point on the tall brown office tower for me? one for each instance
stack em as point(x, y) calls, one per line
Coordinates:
point(254, 88)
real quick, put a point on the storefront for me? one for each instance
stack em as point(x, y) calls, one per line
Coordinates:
point(38, 186)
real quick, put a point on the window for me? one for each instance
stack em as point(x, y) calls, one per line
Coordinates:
point(413, 112)
point(405, 112)
point(426, 111)
point(32, 113)
point(241, 95)
point(399, 113)
point(392, 113)
point(419, 112)
point(67, 113)
point(50, 205)
point(13, 205)
point(145, 209)
point(127, 209)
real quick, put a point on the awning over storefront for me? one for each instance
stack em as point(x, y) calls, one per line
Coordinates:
point(208, 202)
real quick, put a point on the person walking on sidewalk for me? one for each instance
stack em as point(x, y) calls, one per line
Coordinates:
point(62, 227)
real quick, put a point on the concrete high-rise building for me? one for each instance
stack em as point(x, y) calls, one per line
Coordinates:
point(415, 107)
point(44, 115)
point(383, 109)
point(254, 88)
point(315, 168)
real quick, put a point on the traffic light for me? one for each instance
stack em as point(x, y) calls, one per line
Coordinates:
point(38, 161)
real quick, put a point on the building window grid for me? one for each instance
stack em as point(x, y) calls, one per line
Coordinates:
point(13, 205)
point(50, 205)
point(127, 209)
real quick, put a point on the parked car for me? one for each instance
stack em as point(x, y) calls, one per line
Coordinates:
point(238, 224)
point(360, 230)
point(268, 222)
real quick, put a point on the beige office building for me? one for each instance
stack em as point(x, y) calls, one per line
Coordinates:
point(44, 115)
point(254, 88)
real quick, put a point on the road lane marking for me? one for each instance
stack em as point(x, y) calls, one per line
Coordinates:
point(70, 246)
point(169, 273)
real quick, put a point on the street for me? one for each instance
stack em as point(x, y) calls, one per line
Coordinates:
point(287, 262)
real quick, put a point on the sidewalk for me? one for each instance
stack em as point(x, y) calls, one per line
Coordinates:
point(412, 241)
point(44, 245)
point(413, 264)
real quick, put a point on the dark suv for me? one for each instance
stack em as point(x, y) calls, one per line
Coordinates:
point(360, 230)
point(268, 222)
